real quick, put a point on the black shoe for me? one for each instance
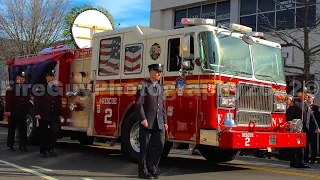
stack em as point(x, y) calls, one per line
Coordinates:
point(23, 149)
point(11, 149)
point(145, 176)
point(154, 175)
point(302, 166)
point(43, 154)
point(52, 153)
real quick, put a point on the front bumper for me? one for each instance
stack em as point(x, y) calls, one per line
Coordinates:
point(243, 140)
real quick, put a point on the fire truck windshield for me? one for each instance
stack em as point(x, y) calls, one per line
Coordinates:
point(268, 63)
point(230, 55)
point(225, 53)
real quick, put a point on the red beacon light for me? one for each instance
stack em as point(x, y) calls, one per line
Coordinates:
point(197, 21)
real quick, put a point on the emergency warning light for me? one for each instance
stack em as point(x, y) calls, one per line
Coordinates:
point(198, 21)
point(240, 28)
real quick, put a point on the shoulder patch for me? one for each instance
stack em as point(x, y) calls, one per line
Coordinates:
point(140, 86)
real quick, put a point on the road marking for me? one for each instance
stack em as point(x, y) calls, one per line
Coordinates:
point(45, 169)
point(273, 170)
point(87, 179)
point(28, 170)
point(14, 173)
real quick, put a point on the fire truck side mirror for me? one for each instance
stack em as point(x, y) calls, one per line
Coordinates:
point(185, 48)
point(246, 38)
point(199, 61)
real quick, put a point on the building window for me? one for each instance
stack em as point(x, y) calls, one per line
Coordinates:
point(178, 16)
point(275, 14)
point(219, 11)
point(109, 58)
point(133, 59)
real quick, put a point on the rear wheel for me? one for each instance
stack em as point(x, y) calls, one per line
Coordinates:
point(32, 133)
point(86, 141)
point(215, 154)
point(130, 144)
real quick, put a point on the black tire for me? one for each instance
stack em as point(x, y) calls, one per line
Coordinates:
point(32, 129)
point(217, 155)
point(86, 141)
point(127, 149)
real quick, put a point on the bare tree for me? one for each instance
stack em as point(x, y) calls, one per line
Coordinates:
point(304, 32)
point(32, 24)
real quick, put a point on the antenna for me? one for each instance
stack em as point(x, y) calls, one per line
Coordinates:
point(117, 26)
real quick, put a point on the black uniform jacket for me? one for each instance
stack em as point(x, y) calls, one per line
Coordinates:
point(316, 112)
point(17, 100)
point(150, 104)
point(311, 120)
point(48, 104)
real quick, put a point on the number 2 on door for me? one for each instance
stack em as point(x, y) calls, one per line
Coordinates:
point(107, 117)
point(247, 141)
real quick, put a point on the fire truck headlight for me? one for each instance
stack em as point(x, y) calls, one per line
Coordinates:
point(280, 107)
point(296, 125)
point(227, 102)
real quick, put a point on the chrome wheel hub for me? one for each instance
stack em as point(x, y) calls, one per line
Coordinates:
point(134, 137)
point(29, 125)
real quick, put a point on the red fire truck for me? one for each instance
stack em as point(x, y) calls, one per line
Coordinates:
point(225, 88)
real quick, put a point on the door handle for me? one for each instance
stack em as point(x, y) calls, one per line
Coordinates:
point(201, 119)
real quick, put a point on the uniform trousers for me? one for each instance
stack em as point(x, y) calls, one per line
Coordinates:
point(49, 131)
point(151, 146)
point(21, 123)
point(296, 156)
point(312, 141)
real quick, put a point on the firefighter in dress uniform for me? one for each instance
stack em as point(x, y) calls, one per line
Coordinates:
point(17, 107)
point(48, 109)
point(312, 130)
point(151, 113)
point(297, 153)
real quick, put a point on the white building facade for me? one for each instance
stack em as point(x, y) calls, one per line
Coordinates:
point(167, 15)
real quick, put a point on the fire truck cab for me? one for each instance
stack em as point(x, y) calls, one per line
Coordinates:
point(225, 89)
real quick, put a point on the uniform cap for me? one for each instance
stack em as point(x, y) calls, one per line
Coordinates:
point(51, 73)
point(155, 67)
point(310, 95)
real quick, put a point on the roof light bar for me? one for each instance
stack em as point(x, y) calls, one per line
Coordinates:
point(198, 21)
point(257, 34)
point(240, 28)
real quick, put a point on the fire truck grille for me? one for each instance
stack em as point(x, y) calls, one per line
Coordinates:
point(254, 98)
point(261, 120)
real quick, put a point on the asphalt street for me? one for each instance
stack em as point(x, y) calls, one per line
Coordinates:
point(76, 162)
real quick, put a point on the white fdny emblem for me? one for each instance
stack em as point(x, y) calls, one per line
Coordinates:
point(180, 86)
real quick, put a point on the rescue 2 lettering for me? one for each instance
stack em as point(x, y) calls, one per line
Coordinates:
point(109, 101)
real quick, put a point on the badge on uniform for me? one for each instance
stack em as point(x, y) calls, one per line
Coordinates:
point(140, 86)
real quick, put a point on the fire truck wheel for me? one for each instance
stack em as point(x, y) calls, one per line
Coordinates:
point(86, 141)
point(130, 145)
point(215, 154)
point(32, 133)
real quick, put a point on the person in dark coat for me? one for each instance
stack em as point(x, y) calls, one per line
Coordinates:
point(312, 128)
point(290, 115)
point(151, 113)
point(48, 110)
point(17, 107)
point(301, 107)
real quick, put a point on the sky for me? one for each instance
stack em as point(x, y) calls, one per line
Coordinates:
point(126, 12)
